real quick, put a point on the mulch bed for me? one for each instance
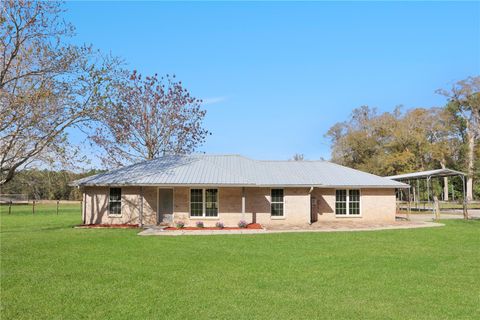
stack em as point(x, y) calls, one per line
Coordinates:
point(250, 226)
point(110, 226)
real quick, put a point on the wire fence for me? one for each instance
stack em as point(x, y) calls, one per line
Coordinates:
point(429, 205)
point(21, 205)
point(14, 198)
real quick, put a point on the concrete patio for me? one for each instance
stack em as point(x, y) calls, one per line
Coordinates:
point(316, 227)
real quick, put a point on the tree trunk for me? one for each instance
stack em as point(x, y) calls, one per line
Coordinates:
point(470, 161)
point(436, 208)
point(445, 183)
point(469, 188)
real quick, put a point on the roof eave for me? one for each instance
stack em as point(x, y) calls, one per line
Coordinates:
point(245, 185)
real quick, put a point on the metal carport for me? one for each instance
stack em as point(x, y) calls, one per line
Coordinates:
point(428, 176)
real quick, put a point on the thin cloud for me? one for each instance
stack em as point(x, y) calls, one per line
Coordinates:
point(213, 100)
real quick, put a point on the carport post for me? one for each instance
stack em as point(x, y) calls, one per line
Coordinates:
point(418, 194)
point(409, 201)
point(428, 191)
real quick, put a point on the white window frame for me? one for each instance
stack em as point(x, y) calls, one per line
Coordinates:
point(110, 214)
point(204, 205)
point(283, 202)
point(348, 214)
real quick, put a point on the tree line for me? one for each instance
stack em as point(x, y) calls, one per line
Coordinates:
point(417, 139)
point(46, 184)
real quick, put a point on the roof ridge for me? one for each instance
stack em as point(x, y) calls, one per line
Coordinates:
point(290, 161)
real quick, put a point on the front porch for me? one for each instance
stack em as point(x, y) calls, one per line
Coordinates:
point(226, 205)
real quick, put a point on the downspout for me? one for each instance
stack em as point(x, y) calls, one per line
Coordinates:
point(243, 203)
point(310, 204)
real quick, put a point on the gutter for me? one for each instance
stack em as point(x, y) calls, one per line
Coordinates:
point(192, 185)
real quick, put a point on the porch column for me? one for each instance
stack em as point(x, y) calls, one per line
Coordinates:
point(84, 206)
point(140, 217)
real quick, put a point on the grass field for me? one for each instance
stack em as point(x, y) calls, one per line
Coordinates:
point(51, 271)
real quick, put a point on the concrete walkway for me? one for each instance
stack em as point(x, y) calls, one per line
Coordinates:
point(316, 227)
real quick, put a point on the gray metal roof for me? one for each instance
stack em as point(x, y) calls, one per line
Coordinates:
point(425, 174)
point(236, 170)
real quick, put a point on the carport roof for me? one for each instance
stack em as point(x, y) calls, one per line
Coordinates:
point(438, 173)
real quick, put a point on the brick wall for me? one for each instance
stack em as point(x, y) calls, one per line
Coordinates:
point(376, 205)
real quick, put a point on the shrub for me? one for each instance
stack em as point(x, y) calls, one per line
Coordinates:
point(242, 224)
point(200, 224)
point(219, 225)
point(180, 224)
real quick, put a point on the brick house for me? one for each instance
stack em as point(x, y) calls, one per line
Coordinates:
point(230, 188)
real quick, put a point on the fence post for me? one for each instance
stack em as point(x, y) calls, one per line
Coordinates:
point(33, 207)
point(10, 207)
point(57, 206)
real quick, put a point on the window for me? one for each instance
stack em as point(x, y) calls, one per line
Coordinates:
point(196, 202)
point(211, 202)
point(347, 202)
point(341, 202)
point(204, 202)
point(115, 201)
point(276, 202)
point(354, 202)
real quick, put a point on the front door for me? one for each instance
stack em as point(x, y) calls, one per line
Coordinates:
point(165, 206)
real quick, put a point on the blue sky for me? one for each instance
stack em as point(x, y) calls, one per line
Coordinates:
point(277, 76)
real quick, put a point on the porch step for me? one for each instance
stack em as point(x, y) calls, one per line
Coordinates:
point(154, 226)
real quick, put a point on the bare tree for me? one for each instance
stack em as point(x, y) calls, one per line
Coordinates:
point(147, 118)
point(45, 85)
point(298, 157)
point(464, 104)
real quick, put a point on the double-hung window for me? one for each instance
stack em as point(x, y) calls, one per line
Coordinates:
point(347, 202)
point(204, 202)
point(115, 202)
point(276, 202)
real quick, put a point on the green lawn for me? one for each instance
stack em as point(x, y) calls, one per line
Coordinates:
point(51, 271)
